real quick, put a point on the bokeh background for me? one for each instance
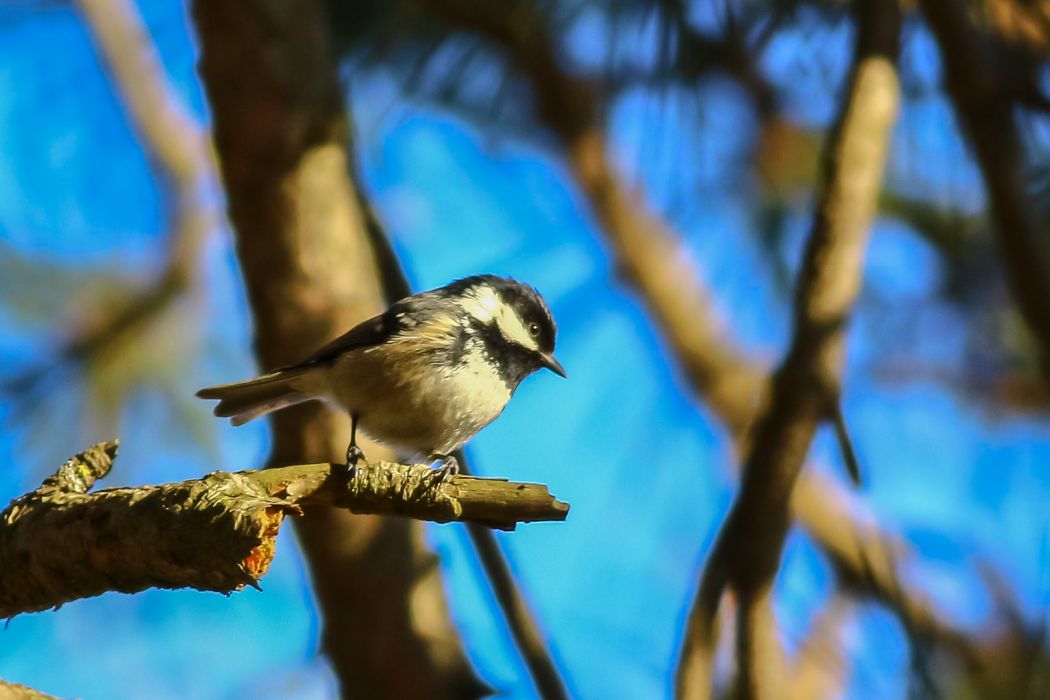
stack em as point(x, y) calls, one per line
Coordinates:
point(944, 392)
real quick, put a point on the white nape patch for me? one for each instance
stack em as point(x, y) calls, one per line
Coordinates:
point(484, 304)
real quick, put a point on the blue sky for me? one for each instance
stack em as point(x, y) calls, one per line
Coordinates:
point(611, 584)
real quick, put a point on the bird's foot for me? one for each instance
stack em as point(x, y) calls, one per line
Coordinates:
point(354, 454)
point(449, 467)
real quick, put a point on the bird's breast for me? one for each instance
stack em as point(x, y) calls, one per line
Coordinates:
point(418, 400)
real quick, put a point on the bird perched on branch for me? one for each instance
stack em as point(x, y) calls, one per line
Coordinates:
point(424, 376)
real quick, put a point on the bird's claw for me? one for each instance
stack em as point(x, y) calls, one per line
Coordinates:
point(354, 454)
point(448, 469)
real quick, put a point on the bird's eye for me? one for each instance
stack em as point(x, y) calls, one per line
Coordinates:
point(534, 329)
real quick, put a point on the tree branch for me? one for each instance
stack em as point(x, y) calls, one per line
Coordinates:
point(746, 554)
point(987, 116)
point(217, 533)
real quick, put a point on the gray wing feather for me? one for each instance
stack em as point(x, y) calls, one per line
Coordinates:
point(243, 401)
point(375, 331)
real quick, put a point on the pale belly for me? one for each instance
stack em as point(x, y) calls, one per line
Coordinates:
point(415, 407)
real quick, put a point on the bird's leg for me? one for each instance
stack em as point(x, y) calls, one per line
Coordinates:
point(449, 465)
point(353, 452)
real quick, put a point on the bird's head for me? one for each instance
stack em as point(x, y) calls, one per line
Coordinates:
point(513, 322)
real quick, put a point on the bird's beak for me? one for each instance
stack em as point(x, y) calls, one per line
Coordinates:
point(553, 365)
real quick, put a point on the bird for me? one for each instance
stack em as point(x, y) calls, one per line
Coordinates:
point(424, 376)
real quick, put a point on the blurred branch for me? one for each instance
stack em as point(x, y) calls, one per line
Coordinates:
point(646, 250)
point(650, 257)
point(178, 146)
point(1018, 32)
point(819, 668)
point(217, 533)
point(987, 117)
point(311, 264)
point(1015, 663)
point(746, 553)
point(1007, 391)
point(566, 104)
point(524, 627)
point(522, 623)
point(697, 54)
point(867, 562)
point(17, 691)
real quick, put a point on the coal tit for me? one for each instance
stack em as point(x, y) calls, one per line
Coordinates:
point(423, 377)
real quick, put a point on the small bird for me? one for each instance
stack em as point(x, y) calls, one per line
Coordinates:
point(424, 376)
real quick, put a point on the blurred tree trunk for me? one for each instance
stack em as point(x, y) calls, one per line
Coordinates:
point(310, 266)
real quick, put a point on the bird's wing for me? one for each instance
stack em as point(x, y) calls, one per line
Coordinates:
point(375, 331)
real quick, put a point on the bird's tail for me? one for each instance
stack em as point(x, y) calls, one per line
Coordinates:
point(247, 400)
